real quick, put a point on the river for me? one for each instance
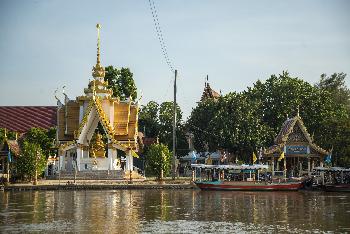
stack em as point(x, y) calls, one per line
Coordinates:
point(169, 211)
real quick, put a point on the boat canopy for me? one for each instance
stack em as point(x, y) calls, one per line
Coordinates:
point(233, 167)
point(332, 169)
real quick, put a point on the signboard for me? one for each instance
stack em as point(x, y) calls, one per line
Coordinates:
point(297, 149)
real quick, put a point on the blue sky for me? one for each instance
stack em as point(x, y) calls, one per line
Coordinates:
point(48, 44)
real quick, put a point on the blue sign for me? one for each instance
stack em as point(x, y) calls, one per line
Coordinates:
point(296, 149)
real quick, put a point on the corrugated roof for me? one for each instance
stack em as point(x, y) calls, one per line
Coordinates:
point(22, 118)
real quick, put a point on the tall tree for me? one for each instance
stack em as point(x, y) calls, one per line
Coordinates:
point(32, 162)
point(43, 138)
point(121, 81)
point(158, 160)
point(149, 119)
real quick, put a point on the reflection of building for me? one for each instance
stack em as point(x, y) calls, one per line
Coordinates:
point(301, 154)
point(94, 126)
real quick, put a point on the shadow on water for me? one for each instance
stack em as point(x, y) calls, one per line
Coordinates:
point(185, 211)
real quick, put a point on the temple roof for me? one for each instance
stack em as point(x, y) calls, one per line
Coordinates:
point(12, 145)
point(22, 118)
point(209, 93)
point(286, 129)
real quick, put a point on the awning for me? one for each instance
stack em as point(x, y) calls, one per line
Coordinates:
point(234, 167)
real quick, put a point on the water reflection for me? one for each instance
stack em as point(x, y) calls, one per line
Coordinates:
point(173, 211)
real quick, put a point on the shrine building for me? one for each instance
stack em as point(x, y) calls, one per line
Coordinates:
point(92, 128)
point(301, 154)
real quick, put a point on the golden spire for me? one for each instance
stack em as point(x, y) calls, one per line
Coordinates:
point(98, 70)
point(98, 26)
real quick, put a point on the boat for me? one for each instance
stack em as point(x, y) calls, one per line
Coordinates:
point(332, 179)
point(246, 184)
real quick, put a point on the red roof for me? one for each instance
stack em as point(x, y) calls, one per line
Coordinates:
point(22, 118)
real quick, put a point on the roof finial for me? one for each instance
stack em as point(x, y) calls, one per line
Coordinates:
point(5, 133)
point(287, 116)
point(98, 70)
point(98, 26)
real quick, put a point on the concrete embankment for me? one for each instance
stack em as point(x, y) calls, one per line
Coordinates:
point(98, 185)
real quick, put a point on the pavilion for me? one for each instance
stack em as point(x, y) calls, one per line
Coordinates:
point(92, 128)
point(301, 154)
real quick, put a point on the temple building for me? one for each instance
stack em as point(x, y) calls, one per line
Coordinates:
point(208, 92)
point(9, 151)
point(294, 152)
point(92, 128)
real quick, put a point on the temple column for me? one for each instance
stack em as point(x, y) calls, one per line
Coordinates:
point(61, 161)
point(273, 166)
point(308, 166)
point(300, 168)
point(79, 156)
point(129, 161)
point(313, 164)
point(321, 163)
point(112, 154)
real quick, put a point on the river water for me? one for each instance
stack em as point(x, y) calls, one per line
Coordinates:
point(169, 211)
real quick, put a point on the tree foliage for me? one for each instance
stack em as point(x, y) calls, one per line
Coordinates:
point(31, 160)
point(10, 135)
point(149, 120)
point(158, 160)
point(157, 121)
point(121, 81)
point(43, 138)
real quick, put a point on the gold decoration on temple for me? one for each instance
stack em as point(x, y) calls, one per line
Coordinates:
point(97, 147)
point(98, 70)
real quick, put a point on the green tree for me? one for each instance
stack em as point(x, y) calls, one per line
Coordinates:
point(232, 123)
point(32, 162)
point(121, 81)
point(44, 138)
point(10, 135)
point(149, 119)
point(335, 85)
point(158, 160)
point(200, 122)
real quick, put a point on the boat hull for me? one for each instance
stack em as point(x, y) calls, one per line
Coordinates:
point(249, 186)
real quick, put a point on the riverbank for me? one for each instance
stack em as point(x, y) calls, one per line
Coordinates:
point(101, 185)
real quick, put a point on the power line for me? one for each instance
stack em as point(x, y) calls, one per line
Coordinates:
point(160, 35)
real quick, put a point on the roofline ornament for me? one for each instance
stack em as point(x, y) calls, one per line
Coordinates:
point(98, 71)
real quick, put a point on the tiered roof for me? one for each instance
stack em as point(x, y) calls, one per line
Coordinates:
point(287, 128)
point(209, 93)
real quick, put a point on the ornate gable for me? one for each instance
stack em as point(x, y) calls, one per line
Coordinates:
point(297, 135)
point(293, 130)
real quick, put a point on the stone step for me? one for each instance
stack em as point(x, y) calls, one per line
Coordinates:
point(91, 175)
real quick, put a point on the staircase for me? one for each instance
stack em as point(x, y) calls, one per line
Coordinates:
point(92, 175)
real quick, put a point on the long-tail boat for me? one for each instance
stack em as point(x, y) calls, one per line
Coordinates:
point(216, 179)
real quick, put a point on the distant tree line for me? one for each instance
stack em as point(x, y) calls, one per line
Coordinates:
point(243, 122)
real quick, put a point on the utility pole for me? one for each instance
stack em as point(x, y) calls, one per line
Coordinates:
point(174, 131)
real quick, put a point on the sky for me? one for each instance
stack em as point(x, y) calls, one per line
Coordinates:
point(46, 45)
